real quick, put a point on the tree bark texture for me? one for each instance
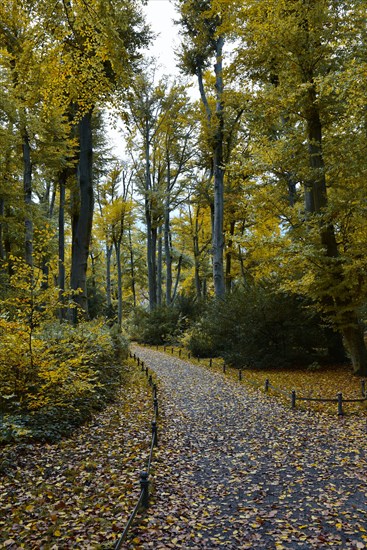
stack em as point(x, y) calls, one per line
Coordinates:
point(218, 161)
point(168, 251)
point(108, 280)
point(353, 335)
point(61, 242)
point(229, 254)
point(117, 245)
point(132, 267)
point(27, 186)
point(151, 231)
point(82, 216)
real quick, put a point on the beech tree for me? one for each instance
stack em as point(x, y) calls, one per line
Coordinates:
point(203, 42)
point(160, 139)
point(296, 53)
point(205, 30)
point(115, 209)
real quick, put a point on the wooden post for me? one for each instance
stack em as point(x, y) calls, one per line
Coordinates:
point(240, 375)
point(224, 367)
point(144, 485)
point(340, 404)
point(293, 399)
point(267, 384)
point(155, 434)
point(179, 352)
point(210, 362)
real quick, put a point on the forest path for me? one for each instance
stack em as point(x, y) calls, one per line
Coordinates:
point(236, 469)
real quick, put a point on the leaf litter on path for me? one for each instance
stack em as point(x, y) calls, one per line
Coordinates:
point(238, 470)
point(234, 469)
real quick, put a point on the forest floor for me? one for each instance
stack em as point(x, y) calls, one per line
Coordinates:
point(78, 493)
point(235, 468)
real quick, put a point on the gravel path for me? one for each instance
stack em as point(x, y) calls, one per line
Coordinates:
point(236, 469)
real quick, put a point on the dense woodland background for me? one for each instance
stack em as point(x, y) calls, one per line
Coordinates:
point(234, 224)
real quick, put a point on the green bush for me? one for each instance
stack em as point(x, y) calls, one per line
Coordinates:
point(189, 308)
point(163, 325)
point(257, 327)
point(200, 341)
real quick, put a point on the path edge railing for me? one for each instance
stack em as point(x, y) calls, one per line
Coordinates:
point(143, 500)
point(292, 395)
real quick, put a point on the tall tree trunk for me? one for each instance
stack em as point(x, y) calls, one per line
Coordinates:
point(61, 244)
point(132, 267)
point(354, 339)
point(229, 254)
point(315, 202)
point(179, 265)
point(2, 211)
point(242, 265)
point(83, 215)
point(196, 249)
point(168, 251)
point(50, 201)
point(151, 262)
point(151, 230)
point(27, 185)
point(109, 312)
point(117, 245)
point(92, 294)
point(159, 266)
point(216, 169)
point(218, 237)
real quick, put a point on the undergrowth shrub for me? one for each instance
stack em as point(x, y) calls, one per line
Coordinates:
point(165, 324)
point(257, 327)
point(160, 326)
point(69, 373)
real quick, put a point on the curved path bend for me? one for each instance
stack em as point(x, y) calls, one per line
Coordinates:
point(236, 469)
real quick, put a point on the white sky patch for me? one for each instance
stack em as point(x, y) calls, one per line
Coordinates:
point(160, 16)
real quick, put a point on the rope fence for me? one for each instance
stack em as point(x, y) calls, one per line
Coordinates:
point(143, 500)
point(292, 396)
